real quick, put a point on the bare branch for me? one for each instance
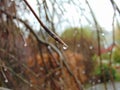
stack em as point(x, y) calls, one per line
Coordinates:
point(52, 34)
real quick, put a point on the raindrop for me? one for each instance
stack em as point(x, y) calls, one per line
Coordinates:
point(83, 72)
point(49, 47)
point(37, 75)
point(60, 79)
point(93, 87)
point(90, 47)
point(57, 73)
point(99, 81)
point(78, 45)
point(41, 68)
point(65, 47)
point(31, 85)
point(6, 81)
point(91, 25)
point(5, 69)
point(103, 34)
point(25, 44)
point(93, 83)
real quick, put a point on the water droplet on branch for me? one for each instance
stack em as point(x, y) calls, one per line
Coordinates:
point(91, 25)
point(103, 34)
point(78, 45)
point(25, 44)
point(5, 69)
point(31, 85)
point(65, 47)
point(90, 47)
point(6, 81)
point(83, 72)
point(99, 81)
point(49, 47)
point(93, 83)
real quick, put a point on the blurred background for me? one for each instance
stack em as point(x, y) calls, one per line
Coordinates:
point(59, 45)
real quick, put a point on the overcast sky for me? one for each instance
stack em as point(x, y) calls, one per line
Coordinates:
point(102, 8)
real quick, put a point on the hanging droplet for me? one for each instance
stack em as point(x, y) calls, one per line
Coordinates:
point(99, 80)
point(49, 47)
point(25, 44)
point(5, 69)
point(83, 72)
point(57, 73)
point(31, 85)
point(41, 68)
point(78, 45)
point(91, 25)
point(65, 47)
point(60, 79)
point(90, 47)
point(103, 34)
point(6, 81)
point(93, 83)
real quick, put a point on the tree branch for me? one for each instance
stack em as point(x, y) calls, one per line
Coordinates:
point(52, 34)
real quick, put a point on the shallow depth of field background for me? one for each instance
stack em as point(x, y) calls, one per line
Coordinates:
point(74, 45)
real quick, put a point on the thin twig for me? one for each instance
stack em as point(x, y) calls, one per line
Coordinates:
point(113, 37)
point(99, 44)
point(52, 34)
point(115, 6)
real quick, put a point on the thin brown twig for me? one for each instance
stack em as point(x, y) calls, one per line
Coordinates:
point(52, 34)
point(39, 40)
point(99, 44)
point(115, 5)
point(78, 83)
point(113, 37)
point(19, 76)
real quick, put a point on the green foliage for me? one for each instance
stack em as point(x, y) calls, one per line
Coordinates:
point(106, 56)
point(70, 33)
point(117, 35)
point(116, 55)
point(117, 76)
point(81, 38)
point(106, 72)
